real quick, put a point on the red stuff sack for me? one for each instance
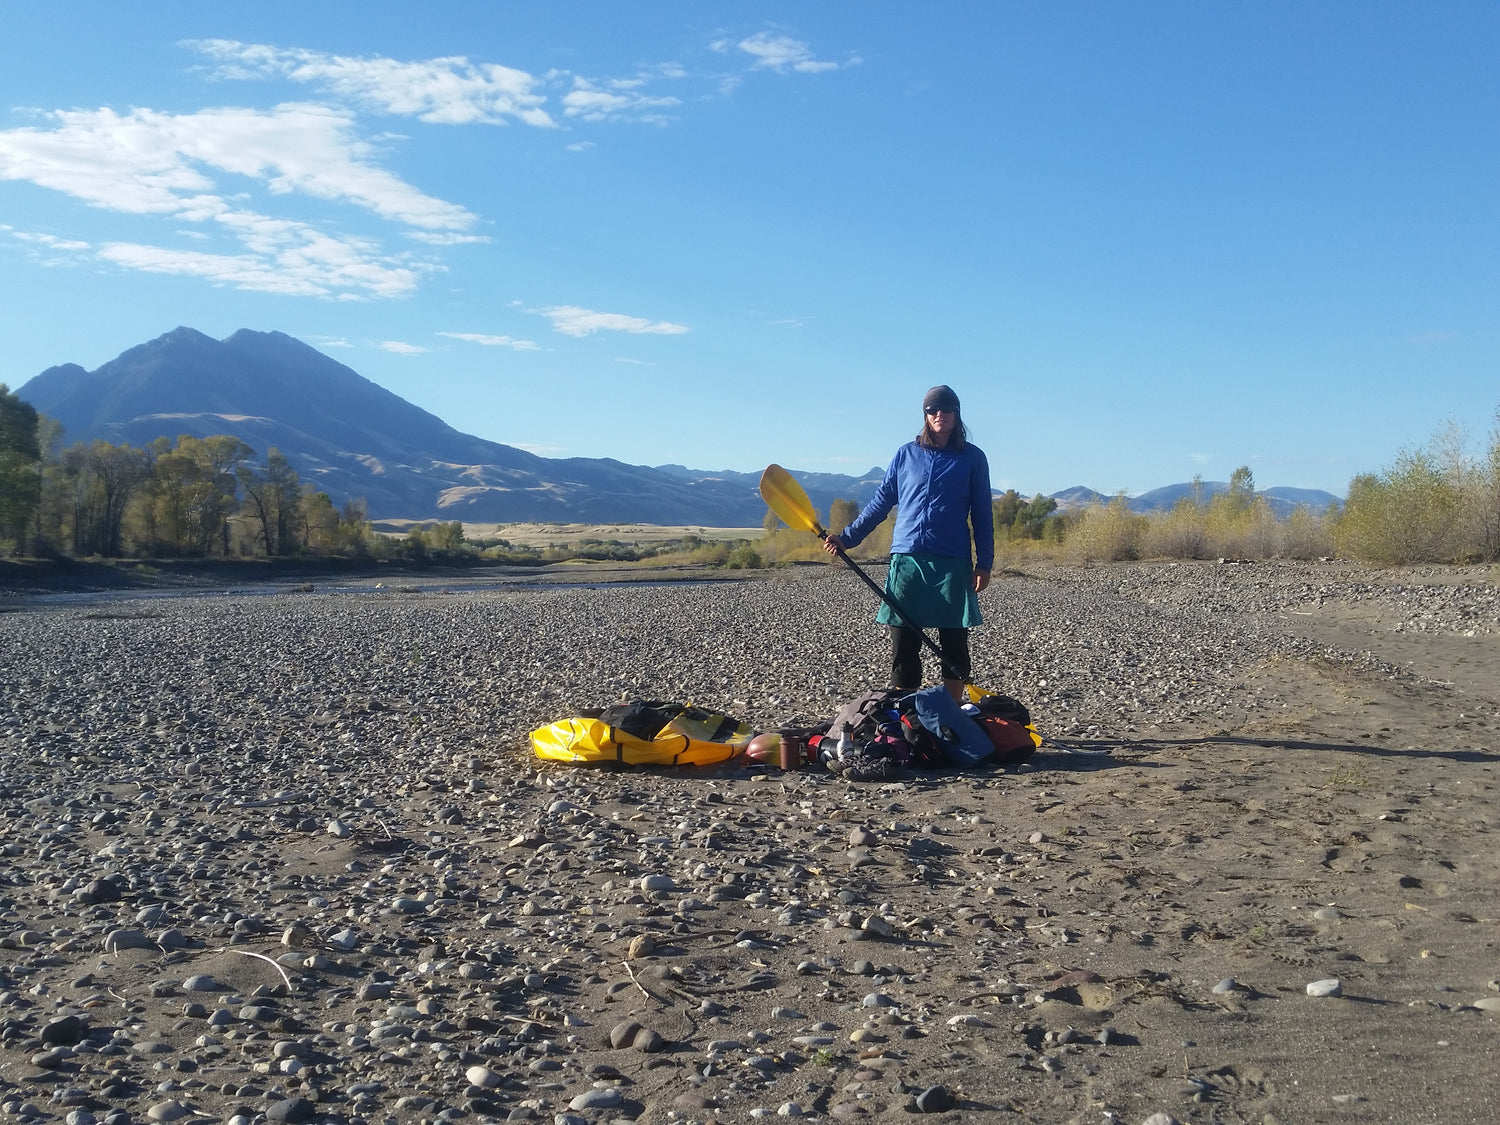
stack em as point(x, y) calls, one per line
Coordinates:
point(1013, 741)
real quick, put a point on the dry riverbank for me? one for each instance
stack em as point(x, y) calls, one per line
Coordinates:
point(1298, 786)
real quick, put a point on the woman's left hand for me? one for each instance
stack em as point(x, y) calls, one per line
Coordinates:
point(981, 580)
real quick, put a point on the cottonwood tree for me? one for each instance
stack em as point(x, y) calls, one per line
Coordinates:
point(1031, 518)
point(272, 498)
point(103, 478)
point(841, 513)
point(1005, 506)
point(194, 492)
point(19, 456)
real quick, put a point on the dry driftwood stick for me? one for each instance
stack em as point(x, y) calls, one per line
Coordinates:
point(268, 961)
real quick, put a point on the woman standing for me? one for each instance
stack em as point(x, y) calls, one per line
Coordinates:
point(943, 547)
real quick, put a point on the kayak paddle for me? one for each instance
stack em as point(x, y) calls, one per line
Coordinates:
point(784, 496)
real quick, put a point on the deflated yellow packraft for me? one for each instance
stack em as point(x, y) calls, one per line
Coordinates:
point(690, 736)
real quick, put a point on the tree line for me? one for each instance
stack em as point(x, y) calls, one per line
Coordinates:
point(189, 497)
point(1439, 503)
point(197, 497)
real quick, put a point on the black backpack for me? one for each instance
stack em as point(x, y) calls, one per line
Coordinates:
point(1004, 707)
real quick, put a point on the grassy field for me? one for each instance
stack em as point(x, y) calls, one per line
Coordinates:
point(563, 534)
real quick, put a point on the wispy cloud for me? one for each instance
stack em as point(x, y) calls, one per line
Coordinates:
point(591, 101)
point(571, 320)
point(145, 162)
point(221, 175)
point(445, 238)
point(401, 347)
point(184, 166)
point(510, 342)
point(782, 53)
point(52, 242)
point(447, 91)
point(305, 272)
point(289, 259)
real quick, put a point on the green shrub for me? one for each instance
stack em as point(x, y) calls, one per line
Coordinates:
point(1413, 512)
point(743, 557)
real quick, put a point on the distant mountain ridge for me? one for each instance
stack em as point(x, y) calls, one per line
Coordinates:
point(350, 437)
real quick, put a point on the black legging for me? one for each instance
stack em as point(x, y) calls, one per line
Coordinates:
point(906, 656)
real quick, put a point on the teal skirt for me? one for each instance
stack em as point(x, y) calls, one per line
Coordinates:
point(935, 592)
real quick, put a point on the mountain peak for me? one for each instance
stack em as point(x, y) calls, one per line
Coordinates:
point(352, 438)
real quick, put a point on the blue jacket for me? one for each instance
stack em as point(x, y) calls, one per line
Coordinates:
point(937, 495)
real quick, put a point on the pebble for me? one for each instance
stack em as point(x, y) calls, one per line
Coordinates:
point(1332, 986)
point(483, 1077)
point(1328, 914)
point(116, 940)
point(1226, 986)
point(605, 1098)
point(290, 1110)
point(66, 1031)
point(934, 1099)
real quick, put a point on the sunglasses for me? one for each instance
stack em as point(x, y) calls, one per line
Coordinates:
point(939, 410)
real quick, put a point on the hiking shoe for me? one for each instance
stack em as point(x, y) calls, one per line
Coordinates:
point(878, 769)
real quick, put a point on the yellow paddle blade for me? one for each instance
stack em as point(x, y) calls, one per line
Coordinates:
point(784, 496)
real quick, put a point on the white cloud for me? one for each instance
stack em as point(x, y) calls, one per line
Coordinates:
point(617, 98)
point(447, 91)
point(445, 238)
point(290, 259)
point(185, 167)
point(401, 347)
point(52, 242)
point(145, 162)
point(571, 320)
point(782, 53)
point(493, 341)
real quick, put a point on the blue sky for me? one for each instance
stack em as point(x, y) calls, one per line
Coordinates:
point(1142, 241)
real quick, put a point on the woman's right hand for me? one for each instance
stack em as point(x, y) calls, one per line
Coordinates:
point(833, 544)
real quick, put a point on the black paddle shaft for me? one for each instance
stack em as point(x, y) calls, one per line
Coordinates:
point(890, 601)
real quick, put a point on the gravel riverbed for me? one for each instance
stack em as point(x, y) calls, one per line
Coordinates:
point(286, 857)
